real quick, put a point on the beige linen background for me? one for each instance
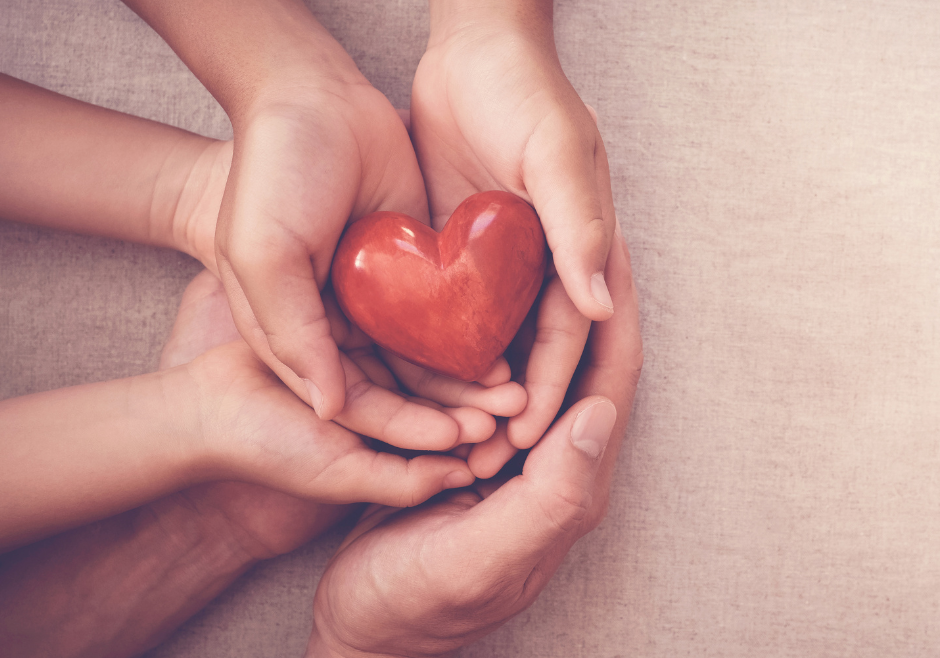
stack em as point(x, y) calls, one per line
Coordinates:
point(776, 168)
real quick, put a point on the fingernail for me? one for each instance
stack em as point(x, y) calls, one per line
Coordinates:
point(591, 429)
point(457, 479)
point(316, 397)
point(599, 291)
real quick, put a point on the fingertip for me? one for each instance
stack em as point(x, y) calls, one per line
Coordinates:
point(601, 294)
point(458, 479)
point(424, 476)
point(506, 400)
point(327, 400)
point(583, 280)
point(592, 112)
point(516, 399)
point(499, 373)
point(487, 458)
point(473, 424)
point(429, 429)
point(314, 397)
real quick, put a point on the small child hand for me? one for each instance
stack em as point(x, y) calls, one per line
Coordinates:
point(494, 393)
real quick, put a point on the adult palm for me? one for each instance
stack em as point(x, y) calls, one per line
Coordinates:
point(424, 581)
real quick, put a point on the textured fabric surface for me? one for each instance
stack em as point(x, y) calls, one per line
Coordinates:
point(776, 168)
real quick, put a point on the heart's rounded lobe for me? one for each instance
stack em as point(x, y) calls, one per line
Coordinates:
point(452, 301)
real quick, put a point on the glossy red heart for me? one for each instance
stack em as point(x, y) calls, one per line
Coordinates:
point(450, 301)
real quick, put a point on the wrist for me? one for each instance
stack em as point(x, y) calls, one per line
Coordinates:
point(182, 411)
point(290, 52)
point(120, 585)
point(187, 199)
point(243, 53)
point(451, 17)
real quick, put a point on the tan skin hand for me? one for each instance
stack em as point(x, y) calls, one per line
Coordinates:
point(306, 163)
point(429, 580)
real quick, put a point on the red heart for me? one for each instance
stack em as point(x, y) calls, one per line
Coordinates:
point(448, 301)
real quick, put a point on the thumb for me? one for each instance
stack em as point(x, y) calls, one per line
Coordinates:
point(527, 517)
point(564, 159)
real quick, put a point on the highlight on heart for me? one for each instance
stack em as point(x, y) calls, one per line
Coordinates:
point(451, 301)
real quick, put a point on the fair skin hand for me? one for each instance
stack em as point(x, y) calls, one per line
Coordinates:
point(117, 587)
point(425, 581)
point(128, 441)
point(315, 146)
point(492, 109)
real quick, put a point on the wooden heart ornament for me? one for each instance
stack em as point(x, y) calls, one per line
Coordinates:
point(451, 301)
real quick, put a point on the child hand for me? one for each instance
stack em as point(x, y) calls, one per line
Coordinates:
point(314, 145)
point(492, 109)
point(253, 429)
point(309, 158)
point(494, 393)
point(374, 406)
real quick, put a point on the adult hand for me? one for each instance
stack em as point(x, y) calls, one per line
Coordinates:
point(261, 522)
point(425, 581)
point(492, 109)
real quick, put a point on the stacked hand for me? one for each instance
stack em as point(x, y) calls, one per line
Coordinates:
point(427, 580)
point(316, 147)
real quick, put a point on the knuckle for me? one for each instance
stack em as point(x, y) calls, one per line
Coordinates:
point(304, 338)
point(413, 491)
point(356, 391)
point(560, 334)
point(565, 507)
point(410, 497)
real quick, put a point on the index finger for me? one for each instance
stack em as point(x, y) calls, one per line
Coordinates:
point(565, 173)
